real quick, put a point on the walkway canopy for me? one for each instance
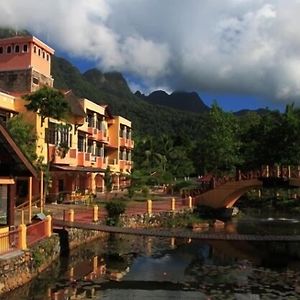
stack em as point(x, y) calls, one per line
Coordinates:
point(13, 163)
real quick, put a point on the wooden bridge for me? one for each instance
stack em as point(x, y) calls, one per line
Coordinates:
point(178, 233)
point(224, 192)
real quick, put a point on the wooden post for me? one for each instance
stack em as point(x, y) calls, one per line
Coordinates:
point(173, 204)
point(149, 207)
point(11, 203)
point(95, 264)
point(190, 202)
point(289, 172)
point(29, 199)
point(71, 274)
point(259, 193)
point(42, 191)
point(95, 213)
point(48, 226)
point(277, 171)
point(267, 171)
point(22, 243)
point(71, 215)
point(172, 242)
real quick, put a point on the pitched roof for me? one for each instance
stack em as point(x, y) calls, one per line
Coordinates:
point(74, 103)
point(13, 161)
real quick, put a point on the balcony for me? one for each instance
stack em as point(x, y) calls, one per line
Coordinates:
point(84, 159)
point(127, 143)
point(113, 164)
point(99, 162)
point(98, 135)
point(125, 165)
point(70, 158)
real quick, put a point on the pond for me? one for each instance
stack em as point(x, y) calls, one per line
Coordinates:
point(131, 267)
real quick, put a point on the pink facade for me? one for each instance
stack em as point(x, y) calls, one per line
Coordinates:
point(19, 53)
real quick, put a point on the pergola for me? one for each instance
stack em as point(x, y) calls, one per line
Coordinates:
point(13, 164)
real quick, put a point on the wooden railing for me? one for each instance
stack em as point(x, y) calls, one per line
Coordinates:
point(9, 241)
point(211, 182)
point(36, 232)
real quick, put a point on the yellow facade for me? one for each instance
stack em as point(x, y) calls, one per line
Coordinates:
point(81, 151)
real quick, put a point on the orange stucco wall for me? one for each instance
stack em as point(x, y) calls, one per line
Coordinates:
point(36, 56)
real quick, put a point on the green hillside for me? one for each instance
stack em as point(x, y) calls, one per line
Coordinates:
point(112, 89)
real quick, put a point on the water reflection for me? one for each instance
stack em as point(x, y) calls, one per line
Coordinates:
point(129, 267)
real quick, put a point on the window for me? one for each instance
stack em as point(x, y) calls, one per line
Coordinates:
point(81, 143)
point(1, 50)
point(90, 120)
point(25, 48)
point(3, 204)
point(34, 49)
point(47, 57)
point(4, 116)
point(57, 134)
point(17, 48)
point(43, 54)
point(90, 147)
point(35, 80)
point(39, 52)
point(8, 50)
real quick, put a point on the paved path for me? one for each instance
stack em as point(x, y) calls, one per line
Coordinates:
point(85, 213)
point(177, 233)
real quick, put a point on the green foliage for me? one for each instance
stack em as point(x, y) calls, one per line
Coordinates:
point(108, 180)
point(24, 136)
point(47, 102)
point(114, 210)
point(38, 257)
point(218, 149)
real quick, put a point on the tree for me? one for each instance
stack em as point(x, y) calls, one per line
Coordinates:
point(23, 134)
point(218, 150)
point(47, 103)
point(108, 181)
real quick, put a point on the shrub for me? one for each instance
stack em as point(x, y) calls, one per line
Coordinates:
point(114, 210)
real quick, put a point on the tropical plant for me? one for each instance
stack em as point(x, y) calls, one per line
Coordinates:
point(24, 135)
point(47, 103)
point(114, 210)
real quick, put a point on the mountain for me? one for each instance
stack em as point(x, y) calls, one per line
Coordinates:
point(112, 89)
point(179, 100)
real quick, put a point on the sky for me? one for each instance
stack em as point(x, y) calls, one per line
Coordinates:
point(244, 53)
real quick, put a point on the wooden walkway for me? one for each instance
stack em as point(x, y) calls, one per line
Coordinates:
point(178, 233)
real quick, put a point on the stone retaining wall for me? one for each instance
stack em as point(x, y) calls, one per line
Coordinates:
point(19, 267)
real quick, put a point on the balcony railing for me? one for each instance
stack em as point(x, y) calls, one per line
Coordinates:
point(84, 159)
point(127, 143)
point(99, 162)
point(98, 135)
point(125, 164)
point(58, 158)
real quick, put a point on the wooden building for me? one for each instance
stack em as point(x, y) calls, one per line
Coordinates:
point(13, 163)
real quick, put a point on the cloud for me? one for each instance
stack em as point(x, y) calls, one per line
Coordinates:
point(228, 46)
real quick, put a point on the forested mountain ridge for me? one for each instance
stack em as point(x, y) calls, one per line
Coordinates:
point(112, 89)
point(179, 100)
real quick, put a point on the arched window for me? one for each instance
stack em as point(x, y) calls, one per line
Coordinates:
point(34, 49)
point(43, 54)
point(25, 48)
point(17, 48)
point(39, 52)
point(1, 50)
point(47, 57)
point(8, 50)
